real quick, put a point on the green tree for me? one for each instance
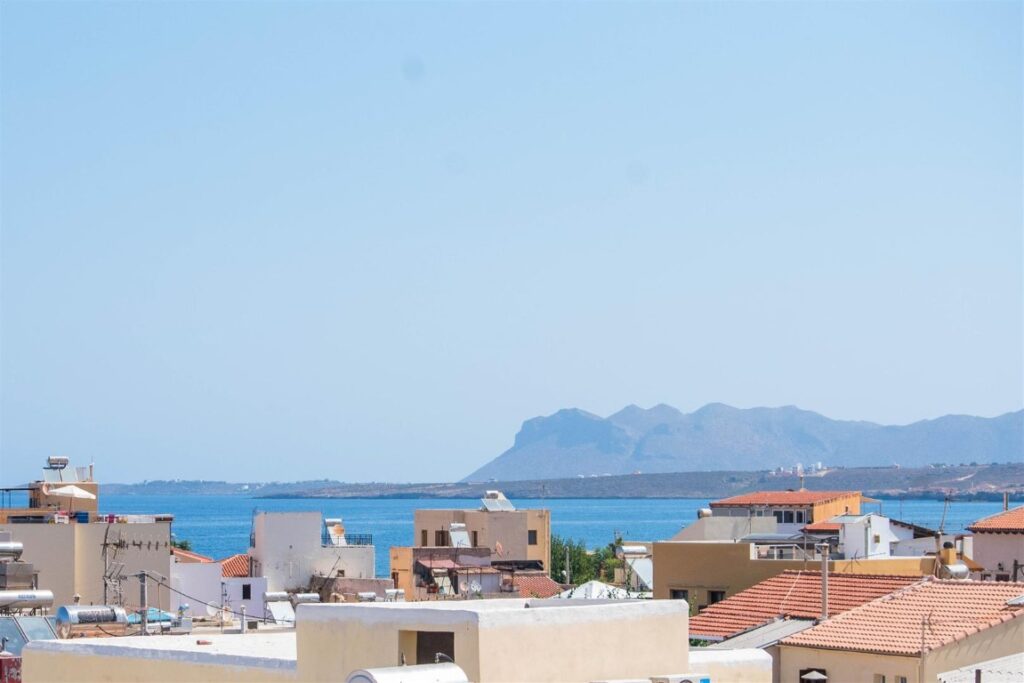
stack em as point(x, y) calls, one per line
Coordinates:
point(581, 563)
point(183, 544)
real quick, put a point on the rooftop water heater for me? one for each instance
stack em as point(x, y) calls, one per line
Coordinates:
point(25, 599)
point(445, 672)
point(77, 621)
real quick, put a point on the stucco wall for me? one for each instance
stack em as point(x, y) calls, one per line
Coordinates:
point(702, 567)
point(56, 662)
point(856, 667)
point(70, 558)
point(288, 551)
point(733, 666)
point(991, 549)
point(510, 529)
point(500, 641)
point(998, 641)
point(200, 581)
point(847, 667)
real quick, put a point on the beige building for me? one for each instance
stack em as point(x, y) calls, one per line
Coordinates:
point(792, 510)
point(706, 572)
point(491, 641)
point(97, 561)
point(513, 536)
point(910, 636)
point(80, 553)
point(999, 545)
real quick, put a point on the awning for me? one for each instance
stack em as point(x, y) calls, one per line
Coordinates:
point(70, 491)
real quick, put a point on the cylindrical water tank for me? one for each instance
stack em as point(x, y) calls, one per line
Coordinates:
point(70, 616)
point(445, 672)
point(275, 596)
point(25, 599)
point(11, 549)
point(299, 598)
point(703, 512)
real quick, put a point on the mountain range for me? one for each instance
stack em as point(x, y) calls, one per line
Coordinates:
point(573, 442)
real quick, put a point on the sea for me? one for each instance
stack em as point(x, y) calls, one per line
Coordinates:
point(219, 526)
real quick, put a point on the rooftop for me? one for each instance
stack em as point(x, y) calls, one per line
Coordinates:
point(265, 650)
point(236, 566)
point(1010, 521)
point(189, 556)
point(917, 619)
point(793, 594)
point(536, 585)
point(784, 498)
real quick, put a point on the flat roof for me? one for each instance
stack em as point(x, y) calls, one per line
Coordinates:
point(274, 650)
point(783, 498)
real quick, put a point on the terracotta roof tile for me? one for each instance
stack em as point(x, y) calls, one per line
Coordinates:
point(933, 613)
point(793, 594)
point(235, 566)
point(186, 556)
point(536, 586)
point(783, 498)
point(1010, 521)
point(823, 526)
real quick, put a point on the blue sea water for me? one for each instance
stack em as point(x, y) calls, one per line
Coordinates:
point(219, 525)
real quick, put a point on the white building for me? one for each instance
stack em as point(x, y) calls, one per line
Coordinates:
point(999, 545)
point(289, 548)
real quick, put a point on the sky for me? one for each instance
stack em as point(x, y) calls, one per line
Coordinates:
point(282, 241)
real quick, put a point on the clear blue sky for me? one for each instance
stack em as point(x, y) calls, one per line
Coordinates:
point(366, 241)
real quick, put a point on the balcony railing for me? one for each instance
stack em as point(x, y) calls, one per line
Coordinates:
point(350, 539)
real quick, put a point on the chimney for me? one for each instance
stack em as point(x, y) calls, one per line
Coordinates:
point(1006, 501)
point(823, 549)
point(948, 554)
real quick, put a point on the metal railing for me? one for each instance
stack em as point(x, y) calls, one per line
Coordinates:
point(350, 539)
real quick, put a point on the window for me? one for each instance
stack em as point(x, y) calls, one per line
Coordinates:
point(679, 594)
point(799, 516)
point(715, 596)
point(476, 540)
point(247, 591)
point(423, 538)
point(441, 538)
point(901, 679)
point(531, 537)
point(430, 644)
point(778, 516)
point(879, 678)
point(787, 517)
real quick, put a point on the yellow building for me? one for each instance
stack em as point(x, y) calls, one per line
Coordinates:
point(706, 572)
point(513, 536)
point(910, 636)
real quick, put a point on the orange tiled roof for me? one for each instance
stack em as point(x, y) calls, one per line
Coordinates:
point(794, 594)
point(949, 610)
point(189, 556)
point(1010, 521)
point(823, 526)
point(235, 566)
point(784, 498)
point(536, 586)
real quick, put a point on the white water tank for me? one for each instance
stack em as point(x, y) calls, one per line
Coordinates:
point(25, 599)
point(445, 672)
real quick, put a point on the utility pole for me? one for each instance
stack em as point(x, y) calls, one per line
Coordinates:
point(823, 549)
point(568, 564)
point(144, 602)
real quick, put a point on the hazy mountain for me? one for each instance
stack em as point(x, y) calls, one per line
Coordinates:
point(574, 442)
